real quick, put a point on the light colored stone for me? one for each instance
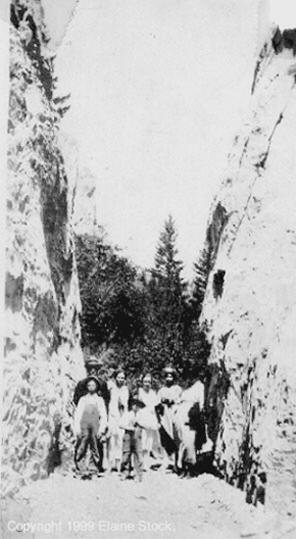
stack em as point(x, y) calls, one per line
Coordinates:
point(251, 325)
point(43, 359)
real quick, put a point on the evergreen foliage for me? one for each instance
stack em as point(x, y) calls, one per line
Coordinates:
point(147, 319)
point(111, 299)
point(202, 269)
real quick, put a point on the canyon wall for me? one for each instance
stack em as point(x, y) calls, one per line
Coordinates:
point(85, 220)
point(249, 310)
point(43, 359)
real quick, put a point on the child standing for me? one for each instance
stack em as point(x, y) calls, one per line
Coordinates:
point(132, 439)
point(151, 439)
point(119, 395)
point(90, 423)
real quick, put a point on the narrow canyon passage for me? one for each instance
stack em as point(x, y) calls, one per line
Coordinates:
point(233, 326)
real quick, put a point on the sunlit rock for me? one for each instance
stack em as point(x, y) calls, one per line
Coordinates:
point(43, 359)
point(249, 310)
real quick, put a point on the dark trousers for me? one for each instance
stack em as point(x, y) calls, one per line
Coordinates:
point(132, 446)
point(101, 454)
point(87, 439)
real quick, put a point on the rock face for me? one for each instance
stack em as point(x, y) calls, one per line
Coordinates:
point(249, 310)
point(43, 359)
point(84, 200)
point(85, 221)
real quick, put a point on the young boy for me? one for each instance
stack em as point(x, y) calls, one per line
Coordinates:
point(90, 423)
point(132, 439)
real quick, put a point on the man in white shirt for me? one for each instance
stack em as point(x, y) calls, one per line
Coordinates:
point(90, 423)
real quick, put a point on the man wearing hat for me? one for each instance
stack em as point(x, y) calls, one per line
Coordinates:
point(90, 423)
point(92, 367)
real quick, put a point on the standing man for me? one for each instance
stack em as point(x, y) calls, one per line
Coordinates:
point(90, 423)
point(93, 366)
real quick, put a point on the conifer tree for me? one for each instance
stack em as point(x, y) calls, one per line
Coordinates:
point(167, 295)
point(198, 348)
point(201, 270)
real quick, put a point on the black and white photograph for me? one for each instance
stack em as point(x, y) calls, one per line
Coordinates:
point(148, 255)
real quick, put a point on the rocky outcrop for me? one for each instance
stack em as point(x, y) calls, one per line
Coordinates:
point(43, 359)
point(85, 220)
point(84, 200)
point(249, 310)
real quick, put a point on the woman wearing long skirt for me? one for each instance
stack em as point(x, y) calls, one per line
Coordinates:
point(169, 396)
point(118, 405)
point(190, 427)
point(150, 435)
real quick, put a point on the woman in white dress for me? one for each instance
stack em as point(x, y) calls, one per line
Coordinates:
point(169, 397)
point(186, 432)
point(118, 405)
point(150, 436)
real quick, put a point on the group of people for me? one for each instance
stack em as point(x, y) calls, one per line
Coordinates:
point(125, 429)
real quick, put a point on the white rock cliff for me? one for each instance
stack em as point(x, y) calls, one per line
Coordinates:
point(43, 359)
point(249, 309)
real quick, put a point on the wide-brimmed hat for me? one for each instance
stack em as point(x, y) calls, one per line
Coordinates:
point(169, 370)
point(93, 362)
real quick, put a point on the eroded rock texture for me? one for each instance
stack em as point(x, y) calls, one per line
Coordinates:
point(249, 311)
point(42, 353)
point(85, 221)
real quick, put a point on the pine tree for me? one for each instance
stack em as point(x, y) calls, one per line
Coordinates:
point(197, 346)
point(167, 298)
point(166, 276)
point(165, 259)
point(201, 270)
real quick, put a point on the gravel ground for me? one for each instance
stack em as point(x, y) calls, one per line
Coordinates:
point(163, 505)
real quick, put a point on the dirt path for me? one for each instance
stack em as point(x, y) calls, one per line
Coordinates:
point(163, 505)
